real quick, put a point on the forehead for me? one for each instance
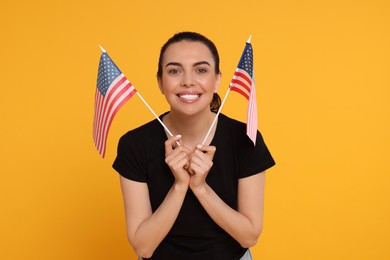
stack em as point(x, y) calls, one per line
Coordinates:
point(187, 51)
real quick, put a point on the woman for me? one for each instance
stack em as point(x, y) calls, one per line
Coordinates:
point(184, 200)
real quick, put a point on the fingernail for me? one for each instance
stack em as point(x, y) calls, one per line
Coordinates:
point(199, 146)
point(178, 136)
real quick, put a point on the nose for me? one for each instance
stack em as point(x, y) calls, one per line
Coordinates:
point(187, 80)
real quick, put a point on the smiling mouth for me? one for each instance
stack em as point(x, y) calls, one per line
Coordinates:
point(189, 97)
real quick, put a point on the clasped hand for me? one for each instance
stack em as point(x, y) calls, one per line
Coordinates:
point(190, 168)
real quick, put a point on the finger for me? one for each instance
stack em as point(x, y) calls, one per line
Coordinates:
point(201, 159)
point(193, 168)
point(170, 143)
point(190, 169)
point(178, 155)
point(175, 155)
point(207, 149)
point(181, 163)
point(187, 152)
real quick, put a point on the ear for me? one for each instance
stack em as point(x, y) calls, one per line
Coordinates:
point(218, 82)
point(160, 85)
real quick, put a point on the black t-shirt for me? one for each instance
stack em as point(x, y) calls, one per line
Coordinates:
point(194, 235)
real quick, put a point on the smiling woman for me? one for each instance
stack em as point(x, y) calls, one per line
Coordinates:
point(184, 200)
point(188, 77)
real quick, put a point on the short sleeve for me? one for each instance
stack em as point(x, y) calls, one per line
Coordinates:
point(130, 160)
point(254, 159)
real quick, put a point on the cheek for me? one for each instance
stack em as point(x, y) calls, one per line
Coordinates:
point(169, 83)
point(213, 84)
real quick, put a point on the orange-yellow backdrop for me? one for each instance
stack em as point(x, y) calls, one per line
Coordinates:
point(323, 85)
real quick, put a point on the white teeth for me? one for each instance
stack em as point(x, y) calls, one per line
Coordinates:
point(189, 97)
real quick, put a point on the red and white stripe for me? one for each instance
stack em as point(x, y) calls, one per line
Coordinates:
point(245, 85)
point(251, 121)
point(241, 83)
point(107, 106)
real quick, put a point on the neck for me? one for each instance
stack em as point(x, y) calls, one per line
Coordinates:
point(192, 128)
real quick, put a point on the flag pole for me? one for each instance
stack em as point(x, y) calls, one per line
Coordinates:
point(155, 115)
point(216, 117)
point(151, 110)
point(147, 105)
point(220, 108)
point(103, 50)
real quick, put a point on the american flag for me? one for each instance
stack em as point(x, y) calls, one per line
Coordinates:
point(112, 92)
point(243, 82)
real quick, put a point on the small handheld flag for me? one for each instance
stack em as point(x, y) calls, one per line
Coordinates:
point(112, 92)
point(243, 82)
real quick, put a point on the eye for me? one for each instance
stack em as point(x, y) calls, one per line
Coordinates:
point(202, 70)
point(173, 71)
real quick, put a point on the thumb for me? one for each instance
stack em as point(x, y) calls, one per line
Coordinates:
point(172, 143)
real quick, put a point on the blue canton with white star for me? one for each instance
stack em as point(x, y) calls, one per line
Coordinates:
point(107, 73)
point(246, 61)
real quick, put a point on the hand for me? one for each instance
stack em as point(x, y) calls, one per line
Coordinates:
point(177, 158)
point(201, 161)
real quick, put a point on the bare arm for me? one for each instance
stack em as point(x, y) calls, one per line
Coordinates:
point(146, 229)
point(245, 224)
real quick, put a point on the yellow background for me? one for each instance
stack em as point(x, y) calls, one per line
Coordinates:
point(323, 86)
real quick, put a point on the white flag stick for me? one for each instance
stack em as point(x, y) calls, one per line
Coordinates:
point(103, 50)
point(155, 115)
point(151, 110)
point(216, 116)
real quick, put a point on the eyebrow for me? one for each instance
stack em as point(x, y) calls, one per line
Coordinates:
point(194, 65)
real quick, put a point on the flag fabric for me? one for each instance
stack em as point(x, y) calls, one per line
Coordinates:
point(243, 82)
point(112, 92)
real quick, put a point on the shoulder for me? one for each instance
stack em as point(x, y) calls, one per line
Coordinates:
point(235, 132)
point(137, 148)
point(227, 122)
point(251, 158)
point(231, 127)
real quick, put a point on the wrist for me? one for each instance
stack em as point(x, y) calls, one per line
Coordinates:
point(200, 189)
point(180, 186)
